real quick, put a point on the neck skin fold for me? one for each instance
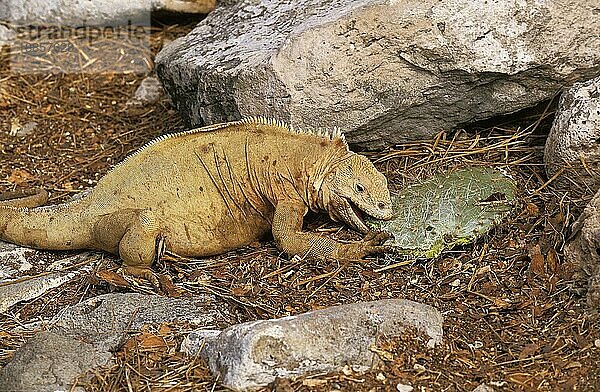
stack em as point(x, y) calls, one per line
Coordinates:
point(319, 192)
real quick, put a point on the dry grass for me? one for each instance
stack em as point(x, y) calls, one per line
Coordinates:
point(511, 315)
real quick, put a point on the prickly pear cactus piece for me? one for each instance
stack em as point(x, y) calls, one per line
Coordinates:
point(448, 210)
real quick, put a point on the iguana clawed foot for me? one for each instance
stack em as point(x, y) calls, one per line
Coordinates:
point(373, 243)
point(144, 270)
point(142, 273)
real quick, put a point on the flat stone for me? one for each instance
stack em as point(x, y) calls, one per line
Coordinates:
point(50, 362)
point(383, 71)
point(572, 150)
point(250, 355)
point(105, 320)
point(13, 260)
point(5, 33)
point(18, 285)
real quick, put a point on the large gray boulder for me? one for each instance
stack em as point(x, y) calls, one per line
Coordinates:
point(572, 151)
point(383, 70)
point(250, 355)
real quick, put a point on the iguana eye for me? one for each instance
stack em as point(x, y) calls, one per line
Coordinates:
point(359, 188)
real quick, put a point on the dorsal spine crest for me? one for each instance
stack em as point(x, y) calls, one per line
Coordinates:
point(331, 134)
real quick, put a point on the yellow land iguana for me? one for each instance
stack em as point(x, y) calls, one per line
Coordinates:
point(211, 190)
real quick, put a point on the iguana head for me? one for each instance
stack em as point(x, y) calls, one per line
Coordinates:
point(354, 187)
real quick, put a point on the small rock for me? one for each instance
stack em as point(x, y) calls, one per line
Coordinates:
point(149, 91)
point(572, 150)
point(483, 388)
point(597, 343)
point(419, 368)
point(194, 342)
point(404, 388)
point(50, 362)
point(254, 354)
point(22, 130)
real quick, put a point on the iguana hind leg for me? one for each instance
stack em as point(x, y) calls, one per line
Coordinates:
point(135, 235)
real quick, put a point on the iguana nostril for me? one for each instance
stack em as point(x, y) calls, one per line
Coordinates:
point(381, 205)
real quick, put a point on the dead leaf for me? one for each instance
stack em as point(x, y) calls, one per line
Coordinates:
point(501, 303)
point(557, 220)
point(129, 346)
point(552, 261)
point(572, 365)
point(164, 329)
point(538, 262)
point(529, 350)
point(239, 291)
point(150, 341)
point(166, 285)
point(19, 176)
point(532, 209)
point(112, 278)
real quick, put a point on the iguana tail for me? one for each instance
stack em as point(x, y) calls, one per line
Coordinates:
point(24, 221)
point(27, 198)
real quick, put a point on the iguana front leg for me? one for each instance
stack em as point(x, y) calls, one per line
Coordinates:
point(289, 237)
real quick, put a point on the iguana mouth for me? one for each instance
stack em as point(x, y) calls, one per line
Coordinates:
point(353, 215)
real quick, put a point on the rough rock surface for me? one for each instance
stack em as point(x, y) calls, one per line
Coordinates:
point(149, 91)
point(50, 362)
point(13, 260)
point(20, 281)
point(97, 12)
point(104, 320)
point(384, 70)
point(5, 34)
point(572, 147)
point(28, 289)
point(583, 247)
point(250, 355)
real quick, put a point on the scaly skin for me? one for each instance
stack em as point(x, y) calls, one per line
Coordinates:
point(211, 190)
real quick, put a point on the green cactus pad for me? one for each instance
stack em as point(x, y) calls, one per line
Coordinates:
point(448, 210)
